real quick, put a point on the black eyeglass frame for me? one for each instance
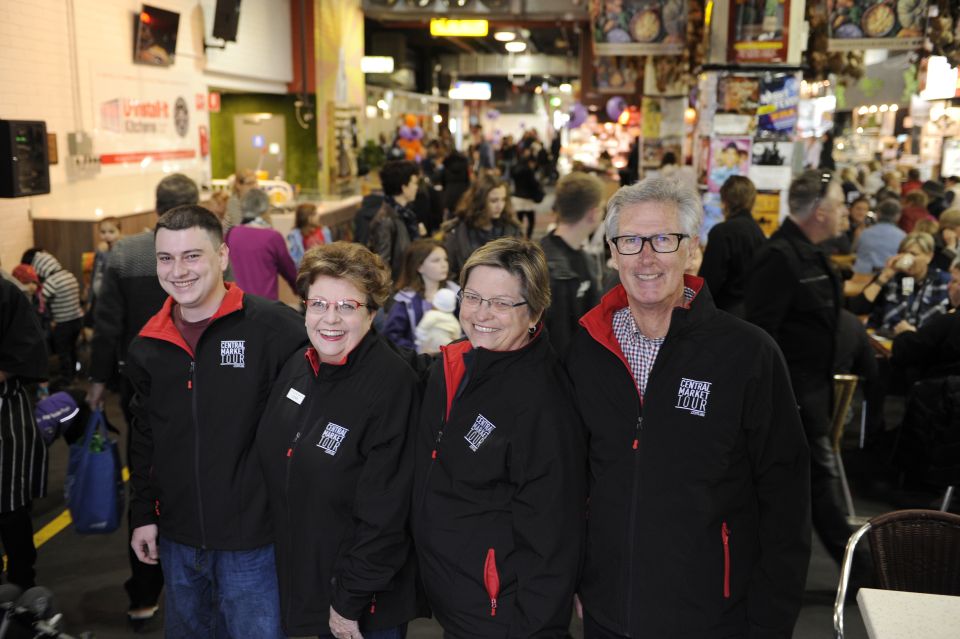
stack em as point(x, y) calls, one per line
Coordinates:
point(648, 239)
point(490, 301)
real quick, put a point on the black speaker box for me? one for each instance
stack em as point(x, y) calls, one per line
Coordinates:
point(24, 158)
point(226, 20)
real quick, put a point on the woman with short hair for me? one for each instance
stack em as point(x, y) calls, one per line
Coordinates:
point(499, 491)
point(331, 442)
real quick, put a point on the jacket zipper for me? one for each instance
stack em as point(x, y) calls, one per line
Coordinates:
point(192, 386)
point(633, 519)
point(286, 494)
point(725, 536)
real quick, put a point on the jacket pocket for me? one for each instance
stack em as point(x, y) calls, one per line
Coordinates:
point(725, 537)
point(491, 579)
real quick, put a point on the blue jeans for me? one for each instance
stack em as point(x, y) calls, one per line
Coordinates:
point(220, 594)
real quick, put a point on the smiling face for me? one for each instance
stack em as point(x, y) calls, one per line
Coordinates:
point(485, 327)
point(496, 202)
point(190, 269)
point(858, 212)
point(653, 281)
point(332, 333)
point(435, 268)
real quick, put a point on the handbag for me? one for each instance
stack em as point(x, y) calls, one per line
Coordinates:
point(94, 489)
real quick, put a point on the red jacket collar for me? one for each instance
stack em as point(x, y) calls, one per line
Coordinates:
point(454, 368)
point(161, 325)
point(313, 358)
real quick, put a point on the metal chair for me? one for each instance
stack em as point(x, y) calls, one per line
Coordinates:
point(844, 387)
point(912, 550)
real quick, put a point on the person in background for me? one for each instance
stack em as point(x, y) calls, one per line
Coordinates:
point(878, 242)
point(574, 286)
point(130, 295)
point(217, 204)
point(333, 443)
point(432, 169)
point(61, 292)
point(244, 181)
point(952, 195)
point(527, 190)
point(485, 159)
point(456, 181)
point(439, 325)
point(935, 195)
point(731, 245)
point(27, 278)
point(23, 464)
point(890, 189)
point(852, 190)
point(927, 225)
point(304, 226)
point(947, 239)
point(860, 218)
point(873, 181)
point(499, 479)
point(201, 368)
point(395, 224)
point(914, 209)
point(259, 253)
point(109, 230)
point(425, 272)
point(699, 494)
point(908, 292)
point(912, 183)
point(484, 213)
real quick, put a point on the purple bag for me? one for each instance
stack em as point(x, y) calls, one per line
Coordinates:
point(55, 414)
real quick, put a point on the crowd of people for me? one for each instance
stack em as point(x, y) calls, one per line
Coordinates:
point(464, 423)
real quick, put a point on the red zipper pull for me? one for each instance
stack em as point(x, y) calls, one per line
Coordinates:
point(493, 607)
point(636, 443)
point(289, 452)
point(433, 455)
point(189, 384)
point(373, 605)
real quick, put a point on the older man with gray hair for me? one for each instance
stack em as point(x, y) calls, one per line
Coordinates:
point(698, 519)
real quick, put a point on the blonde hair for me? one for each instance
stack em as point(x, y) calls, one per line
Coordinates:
point(521, 258)
point(923, 241)
point(950, 219)
point(348, 261)
point(926, 225)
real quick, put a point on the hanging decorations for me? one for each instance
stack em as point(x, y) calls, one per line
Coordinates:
point(818, 61)
point(943, 32)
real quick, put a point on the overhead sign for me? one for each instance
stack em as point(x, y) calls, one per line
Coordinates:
point(470, 91)
point(459, 28)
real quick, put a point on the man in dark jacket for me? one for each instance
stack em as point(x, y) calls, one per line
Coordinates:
point(795, 295)
point(395, 224)
point(573, 286)
point(129, 296)
point(201, 370)
point(698, 520)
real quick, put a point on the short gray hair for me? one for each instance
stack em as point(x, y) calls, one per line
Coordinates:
point(255, 202)
point(667, 190)
point(888, 211)
point(805, 192)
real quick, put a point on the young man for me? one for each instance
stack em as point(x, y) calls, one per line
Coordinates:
point(573, 285)
point(395, 224)
point(201, 370)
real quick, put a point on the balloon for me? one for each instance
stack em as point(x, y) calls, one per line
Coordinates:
point(615, 106)
point(578, 115)
point(416, 133)
point(493, 114)
point(410, 120)
point(406, 133)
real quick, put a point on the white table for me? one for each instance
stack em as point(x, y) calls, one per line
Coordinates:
point(891, 614)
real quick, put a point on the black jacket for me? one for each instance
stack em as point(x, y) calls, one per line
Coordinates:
point(933, 350)
point(334, 449)
point(698, 522)
point(499, 492)
point(731, 246)
point(570, 295)
point(795, 295)
point(192, 463)
point(23, 351)
point(389, 236)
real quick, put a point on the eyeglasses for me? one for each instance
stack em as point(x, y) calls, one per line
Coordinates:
point(660, 243)
point(319, 306)
point(497, 304)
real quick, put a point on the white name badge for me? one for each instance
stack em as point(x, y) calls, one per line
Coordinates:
point(296, 396)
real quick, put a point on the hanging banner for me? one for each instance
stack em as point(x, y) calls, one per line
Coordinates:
point(638, 27)
point(759, 31)
point(876, 24)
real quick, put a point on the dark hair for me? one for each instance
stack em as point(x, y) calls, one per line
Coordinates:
point(668, 158)
point(862, 198)
point(738, 194)
point(913, 174)
point(189, 216)
point(303, 218)
point(396, 174)
point(112, 220)
point(176, 190)
point(577, 193)
point(415, 255)
point(27, 257)
point(888, 210)
point(472, 208)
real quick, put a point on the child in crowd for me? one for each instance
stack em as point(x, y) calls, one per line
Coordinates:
point(423, 276)
point(61, 292)
point(109, 228)
point(439, 326)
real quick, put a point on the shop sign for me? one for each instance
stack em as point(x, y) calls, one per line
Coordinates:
point(876, 24)
point(759, 31)
point(459, 28)
point(638, 27)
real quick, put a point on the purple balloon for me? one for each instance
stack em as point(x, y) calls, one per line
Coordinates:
point(416, 133)
point(615, 106)
point(493, 114)
point(578, 115)
point(406, 132)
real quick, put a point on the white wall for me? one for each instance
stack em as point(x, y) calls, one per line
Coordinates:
point(38, 84)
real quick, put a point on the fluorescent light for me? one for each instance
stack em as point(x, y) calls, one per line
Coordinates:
point(438, 118)
point(462, 90)
point(376, 64)
point(894, 107)
point(383, 105)
point(505, 36)
point(566, 88)
point(515, 47)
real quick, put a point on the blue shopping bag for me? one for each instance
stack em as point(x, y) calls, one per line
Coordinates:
point(94, 486)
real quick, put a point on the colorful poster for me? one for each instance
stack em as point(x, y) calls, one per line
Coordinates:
point(728, 156)
point(616, 74)
point(739, 94)
point(759, 31)
point(766, 211)
point(638, 27)
point(712, 214)
point(779, 97)
point(876, 24)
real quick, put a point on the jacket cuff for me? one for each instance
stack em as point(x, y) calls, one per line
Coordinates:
point(349, 605)
point(142, 513)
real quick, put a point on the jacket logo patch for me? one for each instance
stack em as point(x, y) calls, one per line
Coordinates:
point(693, 396)
point(479, 432)
point(231, 353)
point(333, 436)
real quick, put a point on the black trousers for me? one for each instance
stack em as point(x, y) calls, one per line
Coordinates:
point(64, 337)
point(531, 217)
point(593, 630)
point(146, 580)
point(16, 533)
